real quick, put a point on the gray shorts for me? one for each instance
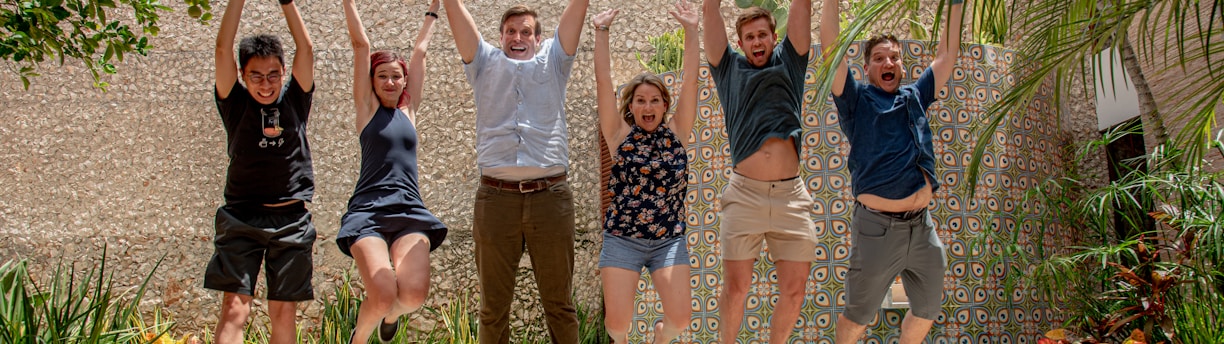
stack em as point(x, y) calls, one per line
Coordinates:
point(883, 247)
point(247, 236)
point(634, 253)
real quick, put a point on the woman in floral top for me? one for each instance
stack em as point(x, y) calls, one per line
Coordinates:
point(644, 226)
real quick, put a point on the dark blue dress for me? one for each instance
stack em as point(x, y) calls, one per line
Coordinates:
point(387, 199)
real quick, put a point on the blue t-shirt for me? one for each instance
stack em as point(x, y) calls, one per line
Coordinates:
point(761, 103)
point(890, 136)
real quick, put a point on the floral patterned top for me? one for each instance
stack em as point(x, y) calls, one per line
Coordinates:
point(648, 183)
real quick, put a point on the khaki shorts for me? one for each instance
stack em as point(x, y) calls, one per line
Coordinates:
point(777, 212)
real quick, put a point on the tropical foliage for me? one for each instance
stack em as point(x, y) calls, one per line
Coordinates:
point(1162, 282)
point(95, 32)
point(70, 306)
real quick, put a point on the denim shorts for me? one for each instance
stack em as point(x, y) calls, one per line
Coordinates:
point(634, 253)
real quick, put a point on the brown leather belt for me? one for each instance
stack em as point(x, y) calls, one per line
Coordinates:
point(526, 186)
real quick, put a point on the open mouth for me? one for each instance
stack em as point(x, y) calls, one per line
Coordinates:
point(648, 118)
point(518, 49)
point(889, 76)
point(264, 94)
point(758, 53)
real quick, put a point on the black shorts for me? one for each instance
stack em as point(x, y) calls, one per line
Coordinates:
point(246, 236)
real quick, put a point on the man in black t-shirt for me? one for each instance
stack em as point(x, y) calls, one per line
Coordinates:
point(269, 179)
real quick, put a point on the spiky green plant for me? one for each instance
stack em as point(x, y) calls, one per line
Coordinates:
point(591, 328)
point(340, 312)
point(70, 307)
point(669, 49)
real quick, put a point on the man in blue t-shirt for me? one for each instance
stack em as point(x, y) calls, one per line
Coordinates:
point(761, 91)
point(269, 179)
point(892, 169)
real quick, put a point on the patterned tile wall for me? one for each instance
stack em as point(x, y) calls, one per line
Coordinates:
point(977, 308)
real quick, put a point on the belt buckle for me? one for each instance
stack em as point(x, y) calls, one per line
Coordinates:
point(533, 186)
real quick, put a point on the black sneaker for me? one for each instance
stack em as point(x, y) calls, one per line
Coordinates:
point(386, 332)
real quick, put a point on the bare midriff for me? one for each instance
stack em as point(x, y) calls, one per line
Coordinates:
point(775, 160)
point(918, 200)
point(281, 204)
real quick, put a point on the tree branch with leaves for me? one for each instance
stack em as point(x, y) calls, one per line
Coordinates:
point(36, 32)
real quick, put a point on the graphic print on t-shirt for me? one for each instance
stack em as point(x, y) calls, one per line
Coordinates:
point(271, 128)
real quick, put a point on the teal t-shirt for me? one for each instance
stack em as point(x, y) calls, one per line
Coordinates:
point(761, 103)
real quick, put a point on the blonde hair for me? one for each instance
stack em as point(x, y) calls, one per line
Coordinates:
point(631, 89)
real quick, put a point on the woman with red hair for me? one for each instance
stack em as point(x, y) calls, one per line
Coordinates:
point(387, 228)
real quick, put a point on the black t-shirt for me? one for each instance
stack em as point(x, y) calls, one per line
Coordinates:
point(269, 156)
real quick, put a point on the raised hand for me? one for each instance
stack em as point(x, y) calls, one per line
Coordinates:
point(603, 20)
point(685, 14)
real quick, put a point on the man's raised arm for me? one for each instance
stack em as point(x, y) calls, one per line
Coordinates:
point(467, 39)
point(569, 30)
point(949, 47)
point(799, 26)
point(715, 31)
point(830, 27)
point(226, 66)
point(303, 59)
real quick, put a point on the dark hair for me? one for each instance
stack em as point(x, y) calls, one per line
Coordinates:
point(383, 56)
point(260, 46)
point(631, 88)
point(754, 13)
point(519, 10)
point(876, 40)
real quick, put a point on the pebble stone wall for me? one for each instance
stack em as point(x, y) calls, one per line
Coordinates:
point(138, 169)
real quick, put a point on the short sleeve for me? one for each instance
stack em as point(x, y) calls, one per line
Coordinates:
point(847, 102)
point(226, 107)
point(724, 65)
point(925, 85)
point(483, 50)
point(557, 58)
point(298, 98)
point(786, 50)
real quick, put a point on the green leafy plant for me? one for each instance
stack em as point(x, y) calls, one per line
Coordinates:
point(38, 31)
point(458, 319)
point(669, 52)
point(340, 312)
point(1163, 281)
point(71, 307)
point(591, 328)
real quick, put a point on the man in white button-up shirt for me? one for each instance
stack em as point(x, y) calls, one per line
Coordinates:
point(524, 201)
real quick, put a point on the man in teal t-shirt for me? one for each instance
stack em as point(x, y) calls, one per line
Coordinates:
point(765, 200)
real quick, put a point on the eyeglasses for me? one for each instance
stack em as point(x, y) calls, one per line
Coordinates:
point(259, 78)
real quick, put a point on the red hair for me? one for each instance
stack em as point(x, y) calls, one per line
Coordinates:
point(383, 56)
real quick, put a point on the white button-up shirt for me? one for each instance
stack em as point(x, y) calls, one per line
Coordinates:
point(520, 108)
